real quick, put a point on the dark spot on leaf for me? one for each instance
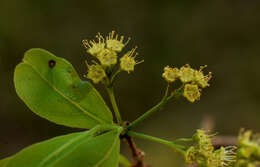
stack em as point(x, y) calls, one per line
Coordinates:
point(98, 133)
point(69, 71)
point(52, 63)
point(73, 86)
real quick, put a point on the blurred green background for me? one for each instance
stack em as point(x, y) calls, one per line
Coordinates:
point(224, 34)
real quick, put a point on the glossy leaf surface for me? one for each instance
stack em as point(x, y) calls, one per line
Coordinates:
point(51, 88)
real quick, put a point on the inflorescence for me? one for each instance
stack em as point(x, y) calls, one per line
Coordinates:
point(204, 154)
point(106, 51)
point(193, 80)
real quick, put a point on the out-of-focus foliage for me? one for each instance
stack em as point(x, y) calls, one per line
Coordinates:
point(222, 34)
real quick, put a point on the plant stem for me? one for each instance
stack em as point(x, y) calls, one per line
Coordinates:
point(183, 140)
point(176, 147)
point(175, 94)
point(166, 92)
point(137, 154)
point(115, 75)
point(111, 94)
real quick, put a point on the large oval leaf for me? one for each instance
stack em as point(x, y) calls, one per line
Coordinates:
point(98, 147)
point(51, 88)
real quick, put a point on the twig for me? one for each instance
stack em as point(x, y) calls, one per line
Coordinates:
point(137, 154)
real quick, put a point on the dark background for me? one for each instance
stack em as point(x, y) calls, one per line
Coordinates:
point(224, 34)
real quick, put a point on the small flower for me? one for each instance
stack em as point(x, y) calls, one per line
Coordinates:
point(107, 57)
point(204, 141)
point(94, 47)
point(202, 79)
point(170, 74)
point(191, 155)
point(127, 62)
point(114, 43)
point(96, 73)
point(191, 92)
point(186, 74)
point(225, 156)
point(203, 152)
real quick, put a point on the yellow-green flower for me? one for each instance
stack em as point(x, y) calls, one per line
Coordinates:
point(225, 156)
point(191, 155)
point(203, 152)
point(204, 141)
point(96, 73)
point(114, 43)
point(94, 47)
point(191, 92)
point(128, 62)
point(202, 79)
point(170, 74)
point(186, 74)
point(107, 57)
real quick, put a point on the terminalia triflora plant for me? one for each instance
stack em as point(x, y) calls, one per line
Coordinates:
point(52, 89)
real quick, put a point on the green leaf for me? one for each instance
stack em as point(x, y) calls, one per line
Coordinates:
point(124, 161)
point(4, 162)
point(51, 88)
point(98, 147)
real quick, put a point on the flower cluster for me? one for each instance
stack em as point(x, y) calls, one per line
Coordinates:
point(248, 149)
point(106, 51)
point(203, 152)
point(192, 79)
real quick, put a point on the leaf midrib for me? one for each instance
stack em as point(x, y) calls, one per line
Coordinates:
point(46, 163)
point(68, 144)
